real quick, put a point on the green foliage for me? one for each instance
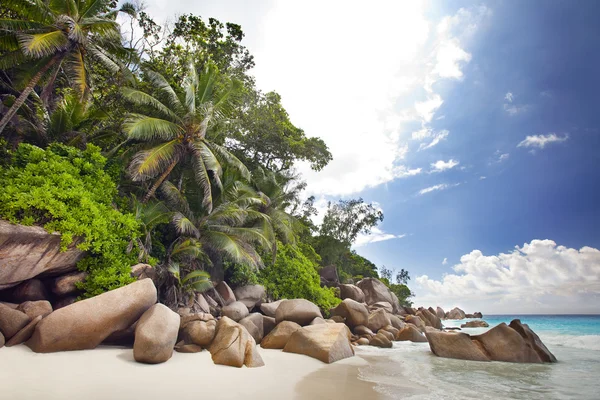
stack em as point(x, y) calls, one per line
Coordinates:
point(66, 190)
point(346, 219)
point(295, 276)
point(240, 274)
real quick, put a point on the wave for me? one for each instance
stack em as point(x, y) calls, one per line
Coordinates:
point(585, 342)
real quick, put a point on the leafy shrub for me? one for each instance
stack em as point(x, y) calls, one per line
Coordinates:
point(295, 276)
point(66, 190)
point(240, 274)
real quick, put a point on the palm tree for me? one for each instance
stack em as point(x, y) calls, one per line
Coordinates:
point(58, 35)
point(175, 130)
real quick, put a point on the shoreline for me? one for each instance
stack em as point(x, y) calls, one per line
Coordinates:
point(110, 372)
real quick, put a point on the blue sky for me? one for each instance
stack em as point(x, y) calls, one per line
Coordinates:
point(473, 125)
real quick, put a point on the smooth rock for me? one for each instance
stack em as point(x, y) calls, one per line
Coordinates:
point(279, 336)
point(300, 311)
point(156, 335)
point(268, 324)
point(391, 330)
point(475, 324)
point(28, 251)
point(429, 318)
point(199, 332)
point(12, 321)
point(362, 342)
point(143, 271)
point(234, 346)
point(416, 321)
point(64, 302)
point(270, 309)
point(378, 319)
point(362, 330)
point(318, 320)
point(381, 340)
point(382, 304)
point(67, 284)
point(375, 291)
point(236, 311)
point(326, 342)
point(411, 333)
point(85, 324)
point(351, 292)
point(387, 334)
point(397, 322)
point(181, 347)
point(30, 290)
point(533, 340)
point(254, 325)
point(201, 303)
point(35, 308)
point(125, 337)
point(455, 345)
point(24, 334)
point(455, 313)
point(353, 312)
point(225, 292)
point(503, 343)
point(250, 295)
point(2, 341)
point(439, 311)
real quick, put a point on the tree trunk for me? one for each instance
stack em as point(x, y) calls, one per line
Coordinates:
point(159, 182)
point(27, 91)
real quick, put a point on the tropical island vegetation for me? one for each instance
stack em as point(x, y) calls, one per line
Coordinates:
point(150, 143)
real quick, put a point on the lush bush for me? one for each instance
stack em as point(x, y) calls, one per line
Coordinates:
point(66, 190)
point(240, 274)
point(295, 276)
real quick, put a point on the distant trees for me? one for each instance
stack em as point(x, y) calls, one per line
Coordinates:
point(347, 218)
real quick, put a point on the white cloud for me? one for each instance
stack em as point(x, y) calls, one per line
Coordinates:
point(445, 261)
point(441, 186)
point(540, 141)
point(482, 177)
point(376, 235)
point(437, 137)
point(509, 97)
point(450, 58)
point(503, 157)
point(442, 165)
point(539, 277)
point(403, 172)
point(513, 109)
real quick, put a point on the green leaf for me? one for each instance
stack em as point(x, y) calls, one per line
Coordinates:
point(145, 128)
point(149, 163)
point(42, 44)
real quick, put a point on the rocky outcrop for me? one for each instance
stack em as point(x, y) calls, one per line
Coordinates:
point(382, 304)
point(411, 333)
point(381, 340)
point(397, 322)
point(225, 293)
point(234, 346)
point(439, 311)
point(25, 333)
point(155, 335)
point(475, 324)
point(270, 309)
point(455, 313)
point(429, 318)
point(143, 271)
point(30, 290)
point(236, 311)
point(510, 343)
point(353, 312)
point(85, 324)
point(477, 314)
point(378, 319)
point(329, 276)
point(376, 291)
point(250, 295)
point(361, 330)
point(254, 325)
point(279, 336)
point(326, 342)
point(416, 321)
point(12, 321)
point(269, 324)
point(300, 311)
point(28, 251)
point(35, 308)
point(67, 284)
point(200, 333)
point(182, 347)
point(351, 292)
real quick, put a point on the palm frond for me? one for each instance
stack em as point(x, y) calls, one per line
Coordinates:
point(40, 45)
point(149, 163)
point(160, 83)
point(175, 199)
point(145, 128)
point(144, 99)
point(234, 248)
point(225, 157)
point(199, 280)
point(190, 85)
point(76, 66)
point(184, 226)
point(22, 25)
point(203, 180)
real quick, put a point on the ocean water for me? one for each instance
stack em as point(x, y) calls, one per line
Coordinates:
point(410, 370)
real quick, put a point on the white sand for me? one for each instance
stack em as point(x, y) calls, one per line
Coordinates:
point(111, 373)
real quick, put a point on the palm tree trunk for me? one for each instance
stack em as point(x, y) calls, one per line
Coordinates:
point(159, 182)
point(27, 91)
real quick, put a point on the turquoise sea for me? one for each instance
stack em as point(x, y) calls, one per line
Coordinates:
point(410, 370)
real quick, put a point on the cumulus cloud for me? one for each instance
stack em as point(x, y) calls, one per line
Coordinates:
point(442, 165)
point(376, 235)
point(509, 97)
point(539, 277)
point(541, 141)
point(434, 188)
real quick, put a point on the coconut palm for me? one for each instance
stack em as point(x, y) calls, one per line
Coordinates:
point(57, 35)
point(176, 130)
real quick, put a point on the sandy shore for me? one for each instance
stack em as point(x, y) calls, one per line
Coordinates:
point(111, 373)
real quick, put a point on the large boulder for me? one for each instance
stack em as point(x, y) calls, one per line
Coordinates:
point(270, 309)
point(12, 321)
point(269, 324)
point(85, 324)
point(353, 312)
point(279, 336)
point(156, 335)
point(67, 284)
point(236, 311)
point(250, 295)
point(351, 292)
point(25, 333)
point(254, 325)
point(416, 321)
point(63, 302)
point(2, 340)
point(329, 276)
point(378, 319)
point(35, 308)
point(475, 324)
point(376, 291)
point(411, 333)
point(30, 290)
point(382, 304)
point(429, 318)
point(201, 303)
point(28, 251)
point(200, 333)
point(455, 313)
point(143, 271)
point(455, 345)
point(439, 311)
point(300, 311)
point(326, 342)
point(234, 346)
point(225, 293)
point(477, 314)
point(397, 322)
point(381, 340)
point(510, 343)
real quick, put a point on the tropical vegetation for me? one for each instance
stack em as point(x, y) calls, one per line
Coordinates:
point(150, 143)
